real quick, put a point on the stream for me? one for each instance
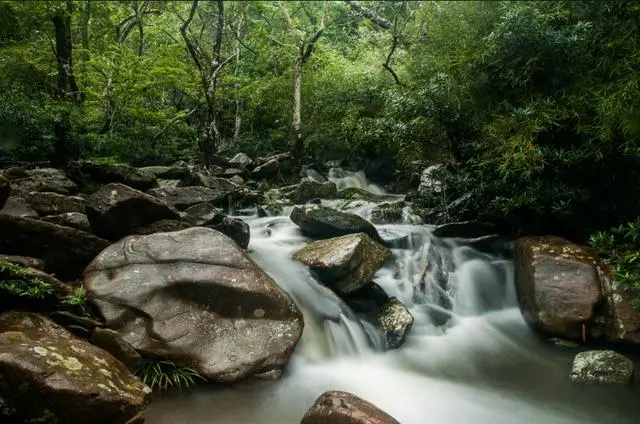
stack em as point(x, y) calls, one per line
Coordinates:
point(483, 366)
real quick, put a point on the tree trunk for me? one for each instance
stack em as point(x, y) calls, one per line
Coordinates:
point(84, 29)
point(138, 18)
point(298, 143)
point(66, 89)
point(238, 121)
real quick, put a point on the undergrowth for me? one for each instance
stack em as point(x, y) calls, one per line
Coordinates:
point(163, 375)
point(16, 281)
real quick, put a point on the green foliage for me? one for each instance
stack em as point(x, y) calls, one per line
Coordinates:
point(16, 281)
point(78, 301)
point(163, 375)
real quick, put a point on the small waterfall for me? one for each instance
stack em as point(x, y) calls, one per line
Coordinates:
point(346, 179)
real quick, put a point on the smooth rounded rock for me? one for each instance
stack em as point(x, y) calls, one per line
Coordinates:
point(336, 407)
point(601, 366)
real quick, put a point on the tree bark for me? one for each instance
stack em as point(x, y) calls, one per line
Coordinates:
point(67, 91)
point(298, 144)
point(84, 29)
point(238, 120)
point(138, 18)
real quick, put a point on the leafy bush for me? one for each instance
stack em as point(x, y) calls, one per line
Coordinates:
point(16, 282)
point(163, 375)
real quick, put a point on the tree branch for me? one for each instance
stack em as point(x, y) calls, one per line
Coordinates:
point(369, 14)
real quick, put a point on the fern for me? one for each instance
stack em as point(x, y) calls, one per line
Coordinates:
point(16, 281)
point(163, 375)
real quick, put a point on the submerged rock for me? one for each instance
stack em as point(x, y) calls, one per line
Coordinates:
point(558, 285)
point(335, 407)
point(46, 203)
point(66, 251)
point(324, 222)
point(195, 298)
point(396, 321)
point(309, 189)
point(48, 375)
point(344, 263)
point(116, 211)
point(601, 366)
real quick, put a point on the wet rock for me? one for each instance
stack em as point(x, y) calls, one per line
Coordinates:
point(237, 179)
point(234, 228)
point(25, 261)
point(601, 366)
point(344, 263)
point(267, 170)
point(48, 375)
point(71, 219)
point(17, 206)
point(185, 197)
point(45, 203)
point(201, 213)
point(558, 285)
point(387, 213)
point(466, 229)
point(5, 190)
point(66, 251)
point(89, 172)
point(324, 222)
point(395, 321)
point(116, 210)
point(336, 407)
point(66, 318)
point(310, 189)
point(195, 298)
point(43, 179)
point(624, 317)
point(241, 160)
point(162, 226)
point(356, 193)
point(216, 183)
point(113, 343)
point(367, 301)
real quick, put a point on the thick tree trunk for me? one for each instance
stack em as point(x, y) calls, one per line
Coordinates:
point(298, 143)
point(67, 90)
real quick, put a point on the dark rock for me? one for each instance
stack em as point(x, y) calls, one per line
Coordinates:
point(113, 343)
point(25, 261)
point(181, 173)
point(234, 228)
point(467, 229)
point(104, 173)
point(71, 219)
point(261, 212)
point(15, 173)
point(43, 179)
point(185, 197)
point(346, 263)
point(17, 206)
point(66, 319)
point(601, 367)
point(356, 193)
point(324, 222)
point(195, 298)
point(50, 376)
point(367, 301)
point(5, 190)
point(162, 226)
point(216, 183)
point(267, 170)
point(66, 251)
point(309, 189)
point(558, 285)
point(395, 321)
point(241, 160)
point(336, 407)
point(116, 210)
point(45, 203)
point(387, 213)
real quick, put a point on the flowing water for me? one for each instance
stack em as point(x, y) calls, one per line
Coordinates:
point(469, 358)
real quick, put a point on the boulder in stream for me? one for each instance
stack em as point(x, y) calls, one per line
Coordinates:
point(5, 190)
point(324, 222)
point(310, 189)
point(558, 285)
point(336, 407)
point(47, 375)
point(346, 263)
point(601, 366)
point(195, 298)
point(116, 210)
point(396, 321)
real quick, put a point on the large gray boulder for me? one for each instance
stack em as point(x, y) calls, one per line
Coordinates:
point(42, 179)
point(335, 407)
point(47, 375)
point(116, 211)
point(558, 285)
point(195, 298)
point(310, 189)
point(344, 263)
point(185, 197)
point(324, 222)
point(47, 203)
point(5, 190)
point(601, 366)
point(90, 172)
point(66, 251)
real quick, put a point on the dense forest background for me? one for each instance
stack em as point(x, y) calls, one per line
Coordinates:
point(533, 107)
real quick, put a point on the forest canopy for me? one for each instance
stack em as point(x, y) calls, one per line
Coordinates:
point(533, 106)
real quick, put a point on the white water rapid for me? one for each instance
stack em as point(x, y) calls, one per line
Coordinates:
point(469, 358)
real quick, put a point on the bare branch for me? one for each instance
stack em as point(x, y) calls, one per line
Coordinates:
point(369, 14)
